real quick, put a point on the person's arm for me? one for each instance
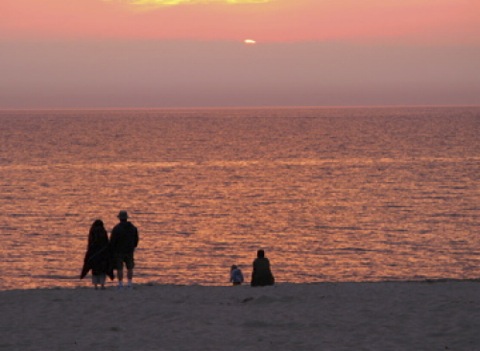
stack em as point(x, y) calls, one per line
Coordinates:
point(135, 244)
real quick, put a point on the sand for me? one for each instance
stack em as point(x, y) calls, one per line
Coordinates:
point(325, 316)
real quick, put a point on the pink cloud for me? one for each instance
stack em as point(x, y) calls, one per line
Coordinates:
point(275, 21)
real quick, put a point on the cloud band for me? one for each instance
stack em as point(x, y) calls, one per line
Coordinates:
point(186, 2)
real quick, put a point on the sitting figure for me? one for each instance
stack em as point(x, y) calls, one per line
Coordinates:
point(262, 275)
point(236, 275)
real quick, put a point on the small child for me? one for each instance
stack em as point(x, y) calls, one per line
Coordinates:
point(236, 275)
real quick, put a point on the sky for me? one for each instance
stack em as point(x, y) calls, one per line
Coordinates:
point(216, 53)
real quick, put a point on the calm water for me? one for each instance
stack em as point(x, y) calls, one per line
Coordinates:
point(330, 194)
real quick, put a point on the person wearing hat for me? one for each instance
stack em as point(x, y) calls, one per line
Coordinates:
point(123, 241)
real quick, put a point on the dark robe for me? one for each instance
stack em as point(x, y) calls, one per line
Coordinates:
point(97, 258)
point(262, 275)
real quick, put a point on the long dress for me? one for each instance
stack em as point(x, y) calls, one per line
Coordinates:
point(97, 257)
point(262, 275)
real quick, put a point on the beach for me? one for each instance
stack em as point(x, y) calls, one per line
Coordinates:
point(435, 315)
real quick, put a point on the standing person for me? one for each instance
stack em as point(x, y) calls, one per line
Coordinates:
point(97, 256)
point(236, 275)
point(123, 241)
point(261, 274)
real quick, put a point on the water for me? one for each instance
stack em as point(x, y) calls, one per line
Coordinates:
point(330, 194)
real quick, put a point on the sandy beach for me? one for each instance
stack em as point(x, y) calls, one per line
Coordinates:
point(441, 315)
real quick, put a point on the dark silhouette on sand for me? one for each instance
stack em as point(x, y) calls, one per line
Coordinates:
point(236, 275)
point(262, 275)
point(97, 258)
point(123, 242)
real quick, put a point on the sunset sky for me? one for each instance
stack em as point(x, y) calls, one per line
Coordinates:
point(187, 53)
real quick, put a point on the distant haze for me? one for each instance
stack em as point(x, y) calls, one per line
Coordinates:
point(100, 54)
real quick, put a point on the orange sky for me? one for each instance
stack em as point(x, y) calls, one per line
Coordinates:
point(433, 21)
point(140, 53)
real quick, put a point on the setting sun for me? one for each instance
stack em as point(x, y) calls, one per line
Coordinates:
point(267, 52)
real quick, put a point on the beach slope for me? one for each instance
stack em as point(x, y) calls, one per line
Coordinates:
point(326, 316)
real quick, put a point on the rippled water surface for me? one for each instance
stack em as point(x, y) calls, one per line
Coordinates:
point(330, 194)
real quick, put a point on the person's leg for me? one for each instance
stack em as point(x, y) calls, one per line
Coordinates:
point(130, 276)
point(119, 267)
point(103, 277)
point(130, 264)
point(120, 276)
point(95, 281)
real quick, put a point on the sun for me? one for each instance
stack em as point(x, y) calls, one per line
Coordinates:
point(250, 41)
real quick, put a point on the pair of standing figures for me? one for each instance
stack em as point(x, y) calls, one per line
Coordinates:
point(104, 255)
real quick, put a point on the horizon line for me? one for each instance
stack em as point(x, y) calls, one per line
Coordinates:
point(234, 107)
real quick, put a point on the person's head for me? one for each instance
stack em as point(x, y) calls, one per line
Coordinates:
point(97, 223)
point(123, 216)
point(260, 254)
point(233, 267)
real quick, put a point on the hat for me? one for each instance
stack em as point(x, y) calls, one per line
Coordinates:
point(122, 215)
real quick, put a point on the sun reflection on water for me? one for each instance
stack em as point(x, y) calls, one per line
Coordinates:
point(330, 195)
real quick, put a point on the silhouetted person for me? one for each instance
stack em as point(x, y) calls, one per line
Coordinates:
point(262, 275)
point(123, 241)
point(97, 256)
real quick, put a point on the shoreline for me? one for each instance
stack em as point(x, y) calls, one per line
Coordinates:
point(414, 315)
point(112, 285)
